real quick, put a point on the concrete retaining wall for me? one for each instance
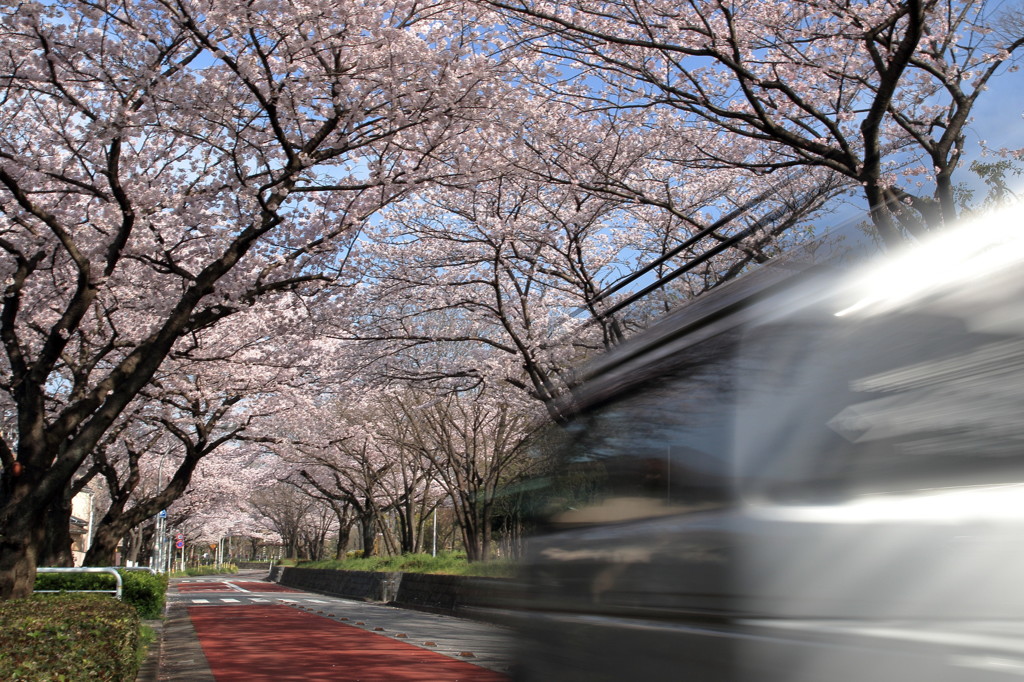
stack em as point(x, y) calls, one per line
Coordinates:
point(254, 564)
point(352, 584)
point(449, 594)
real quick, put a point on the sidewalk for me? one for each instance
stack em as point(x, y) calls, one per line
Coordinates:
point(243, 628)
point(177, 655)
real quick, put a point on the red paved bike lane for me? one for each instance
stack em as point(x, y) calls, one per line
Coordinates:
point(251, 643)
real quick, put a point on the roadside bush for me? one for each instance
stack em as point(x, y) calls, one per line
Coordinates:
point(143, 590)
point(223, 569)
point(56, 638)
point(75, 581)
point(446, 563)
point(146, 592)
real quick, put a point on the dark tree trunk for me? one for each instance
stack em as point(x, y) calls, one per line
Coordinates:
point(19, 545)
point(22, 529)
point(134, 546)
point(368, 526)
point(104, 546)
point(344, 537)
point(56, 550)
point(406, 526)
point(144, 556)
point(254, 548)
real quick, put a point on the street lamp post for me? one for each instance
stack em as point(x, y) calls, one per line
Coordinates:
point(159, 559)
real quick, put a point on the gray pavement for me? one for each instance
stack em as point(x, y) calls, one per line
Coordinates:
point(179, 656)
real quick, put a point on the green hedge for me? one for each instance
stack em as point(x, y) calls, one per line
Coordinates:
point(445, 563)
point(208, 569)
point(143, 590)
point(68, 637)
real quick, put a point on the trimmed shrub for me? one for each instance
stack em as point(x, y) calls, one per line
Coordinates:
point(75, 581)
point(56, 638)
point(143, 590)
point(223, 569)
point(446, 563)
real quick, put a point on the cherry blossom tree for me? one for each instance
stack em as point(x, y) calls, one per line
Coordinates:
point(476, 443)
point(351, 470)
point(223, 391)
point(509, 282)
point(164, 166)
point(343, 519)
point(880, 93)
point(526, 264)
point(362, 453)
point(217, 502)
point(413, 491)
point(194, 423)
point(302, 520)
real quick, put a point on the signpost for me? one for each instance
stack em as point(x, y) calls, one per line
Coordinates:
point(179, 543)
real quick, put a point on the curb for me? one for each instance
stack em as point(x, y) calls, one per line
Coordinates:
point(179, 658)
point(151, 666)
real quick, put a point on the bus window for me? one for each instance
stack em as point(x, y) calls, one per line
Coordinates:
point(660, 447)
point(839, 407)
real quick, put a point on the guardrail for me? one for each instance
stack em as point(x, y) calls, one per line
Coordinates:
point(111, 571)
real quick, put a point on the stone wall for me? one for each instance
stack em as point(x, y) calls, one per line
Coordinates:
point(364, 585)
point(448, 594)
point(254, 564)
point(437, 593)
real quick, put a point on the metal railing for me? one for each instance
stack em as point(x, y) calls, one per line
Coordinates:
point(111, 571)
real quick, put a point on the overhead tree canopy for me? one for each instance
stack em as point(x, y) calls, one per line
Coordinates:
point(878, 92)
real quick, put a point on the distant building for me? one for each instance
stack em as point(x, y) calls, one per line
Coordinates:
point(81, 524)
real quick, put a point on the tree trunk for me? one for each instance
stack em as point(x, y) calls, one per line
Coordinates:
point(104, 545)
point(56, 550)
point(20, 541)
point(385, 527)
point(367, 527)
point(144, 555)
point(470, 534)
point(487, 532)
point(23, 516)
point(881, 217)
point(134, 546)
point(344, 536)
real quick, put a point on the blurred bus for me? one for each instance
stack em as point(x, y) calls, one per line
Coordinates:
point(813, 473)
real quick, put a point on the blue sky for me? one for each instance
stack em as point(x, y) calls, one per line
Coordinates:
point(999, 115)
